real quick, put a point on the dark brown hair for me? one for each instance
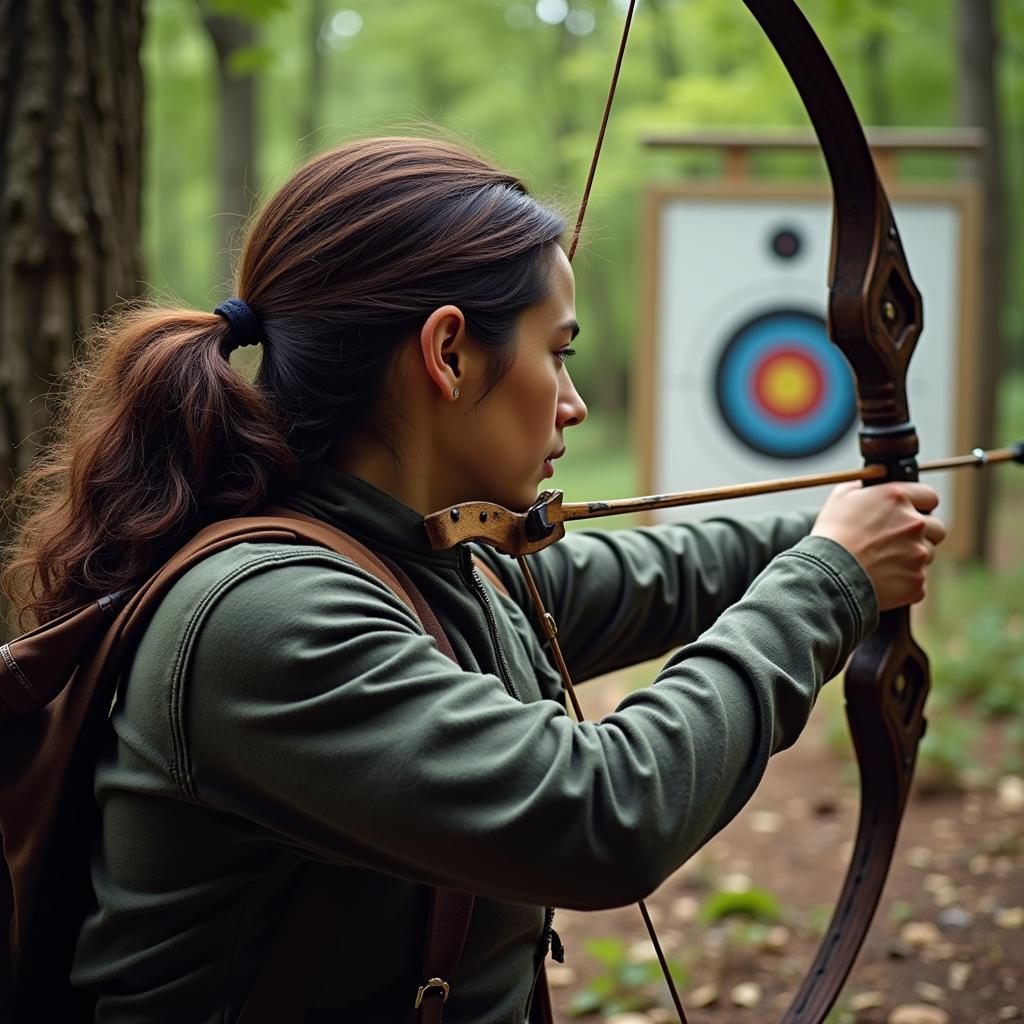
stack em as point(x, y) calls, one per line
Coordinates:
point(158, 435)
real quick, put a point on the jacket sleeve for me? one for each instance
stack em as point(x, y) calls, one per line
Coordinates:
point(309, 702)
point(625, 596)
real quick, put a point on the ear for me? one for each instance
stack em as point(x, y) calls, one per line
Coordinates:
point(448, 354)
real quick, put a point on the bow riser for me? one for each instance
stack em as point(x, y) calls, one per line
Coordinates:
point(875, 312)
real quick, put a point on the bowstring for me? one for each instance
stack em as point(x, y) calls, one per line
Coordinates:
point(548, 623)
point(600, 134)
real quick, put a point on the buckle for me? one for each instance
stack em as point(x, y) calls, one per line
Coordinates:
point(433, 985)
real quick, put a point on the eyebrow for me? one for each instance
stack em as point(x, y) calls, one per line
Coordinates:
point(570, 325)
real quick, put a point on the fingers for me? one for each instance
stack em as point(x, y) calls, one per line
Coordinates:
point(924, 498)
point(934, 530)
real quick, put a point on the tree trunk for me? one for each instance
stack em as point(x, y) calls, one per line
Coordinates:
point(70, 165)
point(237, 136)
point(980, 106)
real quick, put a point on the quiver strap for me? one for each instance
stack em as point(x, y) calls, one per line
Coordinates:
point(57, 684)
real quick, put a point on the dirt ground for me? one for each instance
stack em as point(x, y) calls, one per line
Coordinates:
point(947, 943)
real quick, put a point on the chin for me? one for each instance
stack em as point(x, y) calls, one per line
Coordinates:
point(523, 499)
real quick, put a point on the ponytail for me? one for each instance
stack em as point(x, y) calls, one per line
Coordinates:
point(160, 436)
point(156, 436)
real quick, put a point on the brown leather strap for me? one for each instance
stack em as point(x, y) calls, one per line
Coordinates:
point(447, 927)
point(541, 1011)
point(300, 952)
point(313, 923)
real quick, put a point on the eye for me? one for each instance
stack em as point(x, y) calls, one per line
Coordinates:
point(564, 353)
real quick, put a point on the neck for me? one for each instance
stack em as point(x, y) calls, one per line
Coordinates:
point(406, 473)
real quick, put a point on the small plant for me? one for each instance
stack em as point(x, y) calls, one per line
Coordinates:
point(746, 916)
point(900, 911)
point(816, 918)
point(758, 905)
point(983, 661)
point(1013, 758)
point(626, 984)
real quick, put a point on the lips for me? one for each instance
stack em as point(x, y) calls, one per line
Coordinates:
point(556, 455)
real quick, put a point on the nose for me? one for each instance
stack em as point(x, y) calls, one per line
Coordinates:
point(572, 410)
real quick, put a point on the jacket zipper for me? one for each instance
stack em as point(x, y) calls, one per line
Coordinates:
point(550, 940)
point(492, 626)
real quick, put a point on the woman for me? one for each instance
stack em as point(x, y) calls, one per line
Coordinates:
point(416, 315)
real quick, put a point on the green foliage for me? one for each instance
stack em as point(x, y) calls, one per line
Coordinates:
point(900, 911)
point(755, 903)
point(626, 983)
point(249, 60)
point(816, 919)
point(984, 662)
point(1013, 757)
point(948, 752)
point(254, 10)
point(530, 95)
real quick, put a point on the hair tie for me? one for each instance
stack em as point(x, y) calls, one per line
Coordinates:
point(245, 328)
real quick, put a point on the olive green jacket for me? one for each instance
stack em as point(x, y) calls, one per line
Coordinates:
point(285, 706)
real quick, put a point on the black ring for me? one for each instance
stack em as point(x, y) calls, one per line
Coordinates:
point(245, 328)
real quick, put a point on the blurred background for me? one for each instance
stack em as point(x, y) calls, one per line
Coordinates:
point(138, 136)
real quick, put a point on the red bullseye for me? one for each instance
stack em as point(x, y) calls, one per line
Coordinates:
point(787, 384)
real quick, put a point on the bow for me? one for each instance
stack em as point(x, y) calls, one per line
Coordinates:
point(875, 318)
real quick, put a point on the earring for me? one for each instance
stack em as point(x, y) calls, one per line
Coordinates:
point(455, 392)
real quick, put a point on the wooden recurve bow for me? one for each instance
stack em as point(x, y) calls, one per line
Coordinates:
point(875, 318)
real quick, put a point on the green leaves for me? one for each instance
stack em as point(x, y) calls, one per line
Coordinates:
point(249, 60)
point(630, 981)
point(757, 904)
point(254, 10)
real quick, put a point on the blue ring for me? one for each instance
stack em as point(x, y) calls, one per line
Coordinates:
point(801, 436)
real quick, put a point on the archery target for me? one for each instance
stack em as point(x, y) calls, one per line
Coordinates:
point(737, 379)
point(783, 388)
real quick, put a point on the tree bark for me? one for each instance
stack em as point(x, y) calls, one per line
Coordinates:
point(237, 143)
point(979, 105)
point(70, 169)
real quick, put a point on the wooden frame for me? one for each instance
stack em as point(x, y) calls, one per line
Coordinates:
point(962, 195)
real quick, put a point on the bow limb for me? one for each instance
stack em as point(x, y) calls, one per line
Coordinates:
point(875, 318)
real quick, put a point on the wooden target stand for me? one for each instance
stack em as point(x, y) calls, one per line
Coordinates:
point(738, 180)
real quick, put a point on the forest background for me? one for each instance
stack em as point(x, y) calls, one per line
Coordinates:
point(524, 83)
point(137, 135)
point(240, 91)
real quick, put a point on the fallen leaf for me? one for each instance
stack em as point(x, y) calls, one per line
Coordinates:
point(746, 993)
point(917, 1013)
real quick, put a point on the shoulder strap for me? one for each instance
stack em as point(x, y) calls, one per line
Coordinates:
point(59, 681)
point(305, 940)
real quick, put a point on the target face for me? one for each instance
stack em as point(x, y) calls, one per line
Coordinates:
point(783, 388)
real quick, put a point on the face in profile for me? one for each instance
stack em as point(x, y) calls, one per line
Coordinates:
point(513, 437)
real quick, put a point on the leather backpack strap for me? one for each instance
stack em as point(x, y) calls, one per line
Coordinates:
point(303, 945)
point(541, 1011)
point(447, 927)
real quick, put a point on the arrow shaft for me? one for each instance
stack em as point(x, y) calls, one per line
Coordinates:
point(618, 506)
